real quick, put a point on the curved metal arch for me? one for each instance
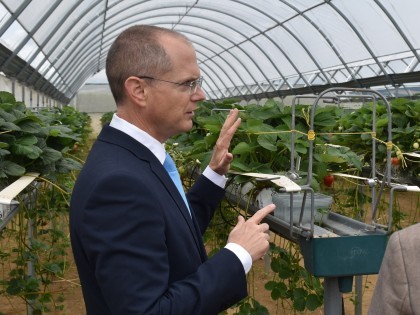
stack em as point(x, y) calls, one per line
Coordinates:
point(242, 64)
point(46, 40)
point(76, 78)
point(193, 25)
point(250, 40)
point(239, 61)
point(197, 34)
point(87, 70)
point(302, 13)
point(85, 63)
point(103, 12)
point(88, 9)
point(80, 55)
point(29, 35)
point(81, 78)
point(357, 33)
point(215, 63)
point(84, 41)
point(399, 30)
point(308, 53)
point(86, 57)
point(13, 16)
point(102, 33)
point(78, 81)
point(285, 55)
point(215, 54)
point(266, 55)
point(63, 80)
point(87, 43)
point(269, 58)
point(282, 24)
point(224, 24)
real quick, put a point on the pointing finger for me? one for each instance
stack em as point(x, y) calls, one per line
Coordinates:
point(262, 213)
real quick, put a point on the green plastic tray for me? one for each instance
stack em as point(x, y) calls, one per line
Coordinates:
point(344, 255)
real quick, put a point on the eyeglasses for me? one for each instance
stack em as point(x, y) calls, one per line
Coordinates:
point(193, 85)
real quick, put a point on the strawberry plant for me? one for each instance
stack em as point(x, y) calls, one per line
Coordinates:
point(262, 143)
point(357, 125)
point(38, 142)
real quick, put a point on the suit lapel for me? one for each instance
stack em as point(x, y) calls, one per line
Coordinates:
point(173, 191)
point(119, 138)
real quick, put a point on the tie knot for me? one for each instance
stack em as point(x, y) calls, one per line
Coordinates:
point(169, 163)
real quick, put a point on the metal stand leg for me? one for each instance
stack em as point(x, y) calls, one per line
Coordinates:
point(358, 289)
point(267, 260)
point(31, 268)
point(333, 303)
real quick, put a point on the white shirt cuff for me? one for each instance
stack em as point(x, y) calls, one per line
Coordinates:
point(242, 254)
point(217, 179)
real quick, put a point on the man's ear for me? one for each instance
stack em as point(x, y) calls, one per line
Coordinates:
point(135, 90)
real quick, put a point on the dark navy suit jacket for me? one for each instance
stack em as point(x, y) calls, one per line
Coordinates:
point(136, 247)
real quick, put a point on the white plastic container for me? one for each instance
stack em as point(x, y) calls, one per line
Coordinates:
point(282, 201)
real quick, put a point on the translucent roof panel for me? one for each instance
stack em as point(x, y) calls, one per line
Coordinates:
point(245, 48)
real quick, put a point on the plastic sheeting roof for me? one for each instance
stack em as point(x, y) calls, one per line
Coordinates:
point(250, 49)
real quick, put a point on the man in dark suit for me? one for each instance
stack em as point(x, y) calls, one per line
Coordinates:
point(137, 244)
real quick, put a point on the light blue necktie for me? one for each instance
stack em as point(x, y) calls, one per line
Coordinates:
point(170, 167)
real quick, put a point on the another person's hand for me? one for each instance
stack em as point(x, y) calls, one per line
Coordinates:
point(221, 157)
point(253, 235)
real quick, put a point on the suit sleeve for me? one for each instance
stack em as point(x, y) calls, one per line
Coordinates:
point(204, 197)
point(131, 260)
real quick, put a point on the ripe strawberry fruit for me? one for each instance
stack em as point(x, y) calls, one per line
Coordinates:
point(328, 180)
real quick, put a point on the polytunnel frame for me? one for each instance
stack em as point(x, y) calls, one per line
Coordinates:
point(58, 94)
point(46, 40)
point(86, 52)
point(301, 13)
point(216, 54)
point(192, 25)
point(362, 40)
point(327, 39)
point(247, 39)
point(68, 86)
point(70, 42)
point(29, 35)
point(226, 25)
point(94, 45)
point(13, 19)
point(259, 32)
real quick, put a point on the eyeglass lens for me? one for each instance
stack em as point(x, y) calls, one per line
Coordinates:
point(195, 84)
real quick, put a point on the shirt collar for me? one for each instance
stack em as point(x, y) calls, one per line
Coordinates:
point(139, 135)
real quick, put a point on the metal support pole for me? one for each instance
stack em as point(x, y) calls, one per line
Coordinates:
point(31, 268)
point(267, 260)
point(333, 304)
point(358, 283)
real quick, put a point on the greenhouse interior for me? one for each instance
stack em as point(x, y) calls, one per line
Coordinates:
point(328, 96)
